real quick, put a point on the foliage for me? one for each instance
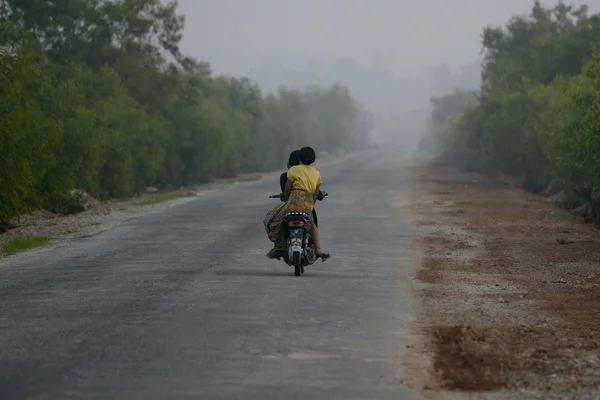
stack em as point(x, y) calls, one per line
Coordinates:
point(17, 245)
point(537, 114)
point(95, 95)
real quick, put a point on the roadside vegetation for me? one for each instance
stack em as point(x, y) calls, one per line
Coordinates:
point(161, 198)
point(17, 245)
point(95, 96)
point(536, 116)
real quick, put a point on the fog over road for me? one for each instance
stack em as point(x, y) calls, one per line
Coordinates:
point(184, 303)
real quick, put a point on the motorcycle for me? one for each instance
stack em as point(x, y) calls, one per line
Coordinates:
point(300, 251)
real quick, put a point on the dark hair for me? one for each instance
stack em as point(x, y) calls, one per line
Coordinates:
point(307, 155)
point(294, 158)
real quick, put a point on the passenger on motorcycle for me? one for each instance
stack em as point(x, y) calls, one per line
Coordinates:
point(294, 159)
point(300, 193)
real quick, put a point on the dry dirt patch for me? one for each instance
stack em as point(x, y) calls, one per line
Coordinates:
point(506, 309)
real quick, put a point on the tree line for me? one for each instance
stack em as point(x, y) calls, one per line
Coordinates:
point(96, 95)
point(536, 115)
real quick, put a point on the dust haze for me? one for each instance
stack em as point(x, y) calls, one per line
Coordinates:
point(393, 55)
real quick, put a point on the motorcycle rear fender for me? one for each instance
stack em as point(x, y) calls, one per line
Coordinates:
point(296, 234)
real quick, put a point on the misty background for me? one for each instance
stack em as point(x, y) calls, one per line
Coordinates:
point(393, 55)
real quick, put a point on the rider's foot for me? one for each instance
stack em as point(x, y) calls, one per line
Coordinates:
point(323, 255)
point(272, 253)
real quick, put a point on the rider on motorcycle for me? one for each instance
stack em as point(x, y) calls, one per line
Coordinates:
point(301, 191)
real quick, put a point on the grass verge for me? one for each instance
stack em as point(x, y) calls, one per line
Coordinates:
point(161, 198)
point(17, 245)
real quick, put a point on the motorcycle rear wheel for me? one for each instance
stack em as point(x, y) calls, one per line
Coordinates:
point(298, 269)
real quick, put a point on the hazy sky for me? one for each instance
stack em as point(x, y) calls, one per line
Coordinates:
point(404, 35)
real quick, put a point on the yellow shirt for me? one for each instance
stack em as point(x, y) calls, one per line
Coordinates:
point(304, 177)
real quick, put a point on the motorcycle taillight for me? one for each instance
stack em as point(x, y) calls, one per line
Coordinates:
point(296, 222)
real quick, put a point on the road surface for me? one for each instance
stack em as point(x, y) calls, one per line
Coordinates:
point(184, 303)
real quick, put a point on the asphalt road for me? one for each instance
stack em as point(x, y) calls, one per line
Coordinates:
point(184, 303)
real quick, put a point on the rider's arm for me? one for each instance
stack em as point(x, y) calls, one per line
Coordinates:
point(282, 181)
point(288, 190)
point(316, 193)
